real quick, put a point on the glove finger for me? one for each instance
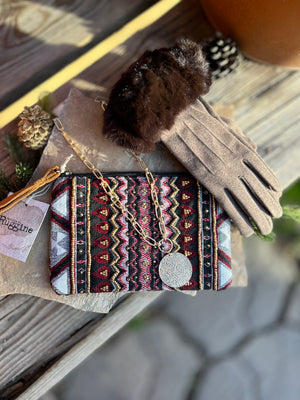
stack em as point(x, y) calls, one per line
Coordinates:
point(236, 213)
point(262, 194)
point(260, 169)
point(191, 157)
point(253, 209)
point(201, 172)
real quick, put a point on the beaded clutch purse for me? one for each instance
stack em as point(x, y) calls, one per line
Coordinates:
point(94, 248)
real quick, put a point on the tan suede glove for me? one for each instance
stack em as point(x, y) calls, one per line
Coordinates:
point(226, 163)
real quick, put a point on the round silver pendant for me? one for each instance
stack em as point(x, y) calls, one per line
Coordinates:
point(175, 270)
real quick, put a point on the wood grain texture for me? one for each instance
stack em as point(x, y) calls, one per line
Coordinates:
point(33, 48)
point(265, 101)
point(185, 20)
point(104, 330)
point(35, 331)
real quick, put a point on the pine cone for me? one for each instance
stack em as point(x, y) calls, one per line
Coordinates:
point(35, 127)
point(222, 54)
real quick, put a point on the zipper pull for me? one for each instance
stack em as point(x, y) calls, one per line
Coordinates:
point(14, 198)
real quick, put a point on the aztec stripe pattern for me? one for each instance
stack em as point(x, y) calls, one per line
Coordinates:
point(94, 249)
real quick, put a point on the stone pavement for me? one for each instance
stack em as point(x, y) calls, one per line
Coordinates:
point(240, 344)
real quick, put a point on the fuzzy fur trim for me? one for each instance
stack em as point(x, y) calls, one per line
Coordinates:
point(152, 92)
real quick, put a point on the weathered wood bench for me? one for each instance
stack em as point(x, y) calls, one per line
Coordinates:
point(41, 341)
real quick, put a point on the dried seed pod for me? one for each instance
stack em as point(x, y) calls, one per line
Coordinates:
point(222, 54)
point(35, 127)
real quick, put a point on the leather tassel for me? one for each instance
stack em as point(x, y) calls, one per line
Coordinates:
point(15, 198)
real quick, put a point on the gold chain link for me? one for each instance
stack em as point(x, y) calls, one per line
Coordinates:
point(115, 198)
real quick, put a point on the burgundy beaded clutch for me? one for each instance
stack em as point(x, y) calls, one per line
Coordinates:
point(94, 249)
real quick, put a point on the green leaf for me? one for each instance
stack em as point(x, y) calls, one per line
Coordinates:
point(292, 212)
point(291, 195)
point(266, 238)
point(138, 322)
point(23, 174)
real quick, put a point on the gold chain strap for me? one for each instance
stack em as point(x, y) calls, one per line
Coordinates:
point(115, 198)
point(153, 191)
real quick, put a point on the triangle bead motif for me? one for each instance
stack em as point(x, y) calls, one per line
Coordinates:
point(187, 239)
point(103, 212)
point(185, 183)
point(187, 225)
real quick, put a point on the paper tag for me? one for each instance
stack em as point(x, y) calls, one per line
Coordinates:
point(19, 227)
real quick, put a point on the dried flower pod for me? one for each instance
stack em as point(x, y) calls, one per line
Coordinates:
point(35, 127)
point(222, 55)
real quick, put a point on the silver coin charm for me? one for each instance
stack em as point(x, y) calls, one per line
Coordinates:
point(175, 270)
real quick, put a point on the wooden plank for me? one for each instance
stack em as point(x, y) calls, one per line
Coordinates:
point(185, 20)
point(9, 304)
point(49, 85)
point(34, 330)
point(104, 330)
point(33, 48)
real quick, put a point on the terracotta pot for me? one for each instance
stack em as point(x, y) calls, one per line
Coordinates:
point(266, 30)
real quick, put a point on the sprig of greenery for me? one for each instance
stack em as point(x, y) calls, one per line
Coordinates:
point(24, 172)
point(25, 162)
point(291, 212)
point(25, 159)
point(266, 238)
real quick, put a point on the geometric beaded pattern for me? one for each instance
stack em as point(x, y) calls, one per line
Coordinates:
point(94, 249)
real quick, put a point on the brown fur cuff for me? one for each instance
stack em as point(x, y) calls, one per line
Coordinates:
point(152, 92)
